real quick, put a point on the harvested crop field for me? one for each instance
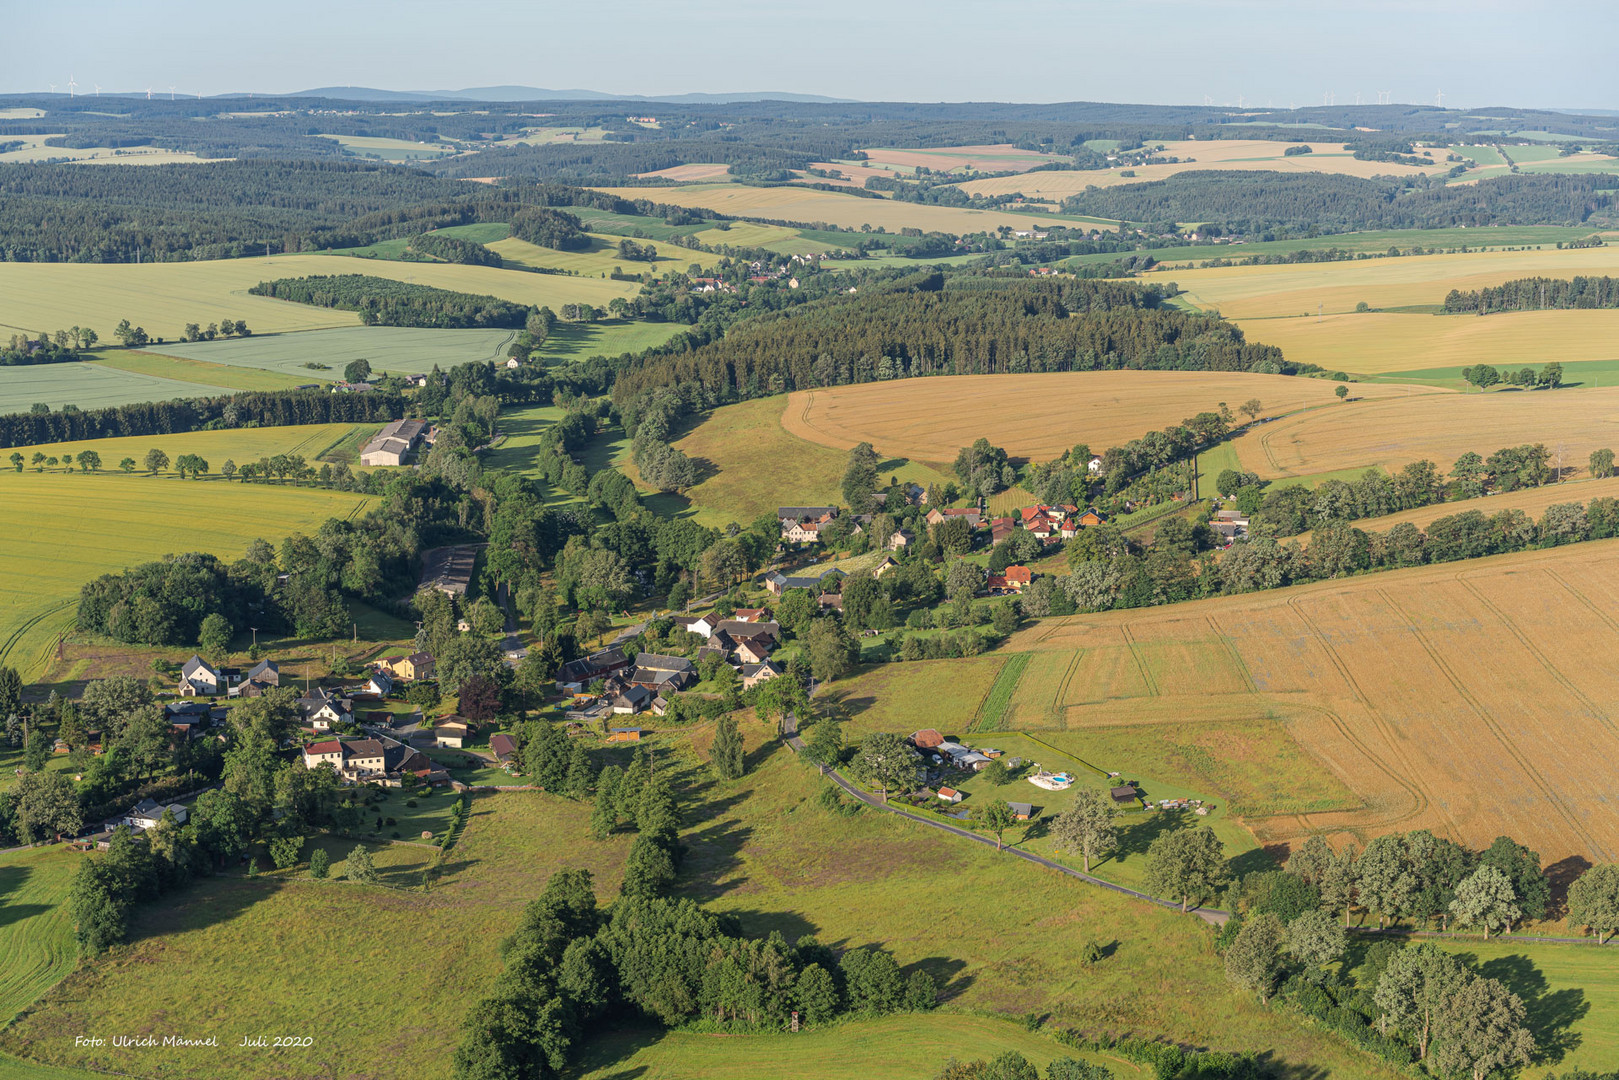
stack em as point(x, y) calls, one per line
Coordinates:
point(1247, 292)
point(396, 349)
point(1376, 343)
point(1472, 699)
point(1039, 416)
point(1222, 154)
point(686, 174)
point(1001, 157)
point(1393, 432)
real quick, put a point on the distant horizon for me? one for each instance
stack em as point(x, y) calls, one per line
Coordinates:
point(597, 95)
point(1261, 53)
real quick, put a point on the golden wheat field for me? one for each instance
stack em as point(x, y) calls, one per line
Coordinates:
point(1532, 501)
point(163, 297)
point(1223, 154)
point(1040, 416)
point(804, 205)
point(1474, 700)
point(1376, 343)
point(1394, 431)
point(1249, 292)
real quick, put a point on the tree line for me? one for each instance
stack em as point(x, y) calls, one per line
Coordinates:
point(922, 328)
point(1251, 203)
point(453, 249)
point(385, 302)
point(1535, 294)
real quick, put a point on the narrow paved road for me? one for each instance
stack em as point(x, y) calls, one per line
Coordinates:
point(790, 733)
point(511, 644)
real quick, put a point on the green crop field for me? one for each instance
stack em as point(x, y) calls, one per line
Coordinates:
point(224, 376)
point(240, 445)
point(36, 938)
point(580, 341)
point(89, 386)
point(163, 297)
point(395, 349)
point(778, 238)
point(54, 545)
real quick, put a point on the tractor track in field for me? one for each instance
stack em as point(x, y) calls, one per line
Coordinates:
point(1533, 775)
point(1419, 798)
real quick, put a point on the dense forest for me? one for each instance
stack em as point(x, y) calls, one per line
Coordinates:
point(928, 325)
point(1250, 203)
point(550, 228)
point(453, 249)
point(1534, 294)
point(384, 302)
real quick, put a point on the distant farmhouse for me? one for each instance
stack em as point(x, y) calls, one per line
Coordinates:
point(393, 443)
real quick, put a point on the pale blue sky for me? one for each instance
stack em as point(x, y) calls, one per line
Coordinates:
point(1480, 52)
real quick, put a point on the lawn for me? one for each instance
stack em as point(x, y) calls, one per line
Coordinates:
point(54, 546)
point(234, 956)
point(88, 385)
point(395, 349)
point(941, 694)
point(163, 297)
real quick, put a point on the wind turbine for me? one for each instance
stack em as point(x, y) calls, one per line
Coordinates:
point(1439, 98)
point(1357, 97)
point(98, 89)
point(71, 85)
point(171, 91)
point(53, 88)
point(1207, 101)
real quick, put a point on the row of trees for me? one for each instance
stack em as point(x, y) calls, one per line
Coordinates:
point(1536, 294)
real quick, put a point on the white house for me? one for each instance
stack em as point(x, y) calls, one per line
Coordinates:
point(147, 813)
point(198, 677)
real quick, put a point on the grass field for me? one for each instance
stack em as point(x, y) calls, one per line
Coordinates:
point(1372, 241)
point(601, 258)
point(36, 937)
point(904, 1047)
point(808, 206)
point(224, 376)
point(237, 956)
point(36, 149)
point(1392, 432)
point(397, 151)
point(1002, 157)
point(163, 297)
point(1034, 416)
point(54, 545)
point(395, 349)
point(1377, 679)
point(1582, 373)
point(90, 386)
point(729, 444)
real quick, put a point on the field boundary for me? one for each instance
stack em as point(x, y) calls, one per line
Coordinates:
point(998, 698)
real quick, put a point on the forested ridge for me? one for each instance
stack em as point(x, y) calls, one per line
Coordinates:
point(1535, 294)
point(385, 302)
point(968, 326)
point(1252, 202)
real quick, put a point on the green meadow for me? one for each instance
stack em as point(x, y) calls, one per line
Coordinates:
point(89, 386)
point(394, 349)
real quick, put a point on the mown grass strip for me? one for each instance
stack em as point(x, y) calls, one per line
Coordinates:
point(992, 713)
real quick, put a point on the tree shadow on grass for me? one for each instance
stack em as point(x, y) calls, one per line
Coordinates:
point(1137, 836)
point(1270, 1066)
point(1253, 861)
point(1550, 1014)
point(611, 1048)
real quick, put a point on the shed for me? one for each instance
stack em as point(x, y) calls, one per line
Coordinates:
point(1126, 793)
point(1021, 810)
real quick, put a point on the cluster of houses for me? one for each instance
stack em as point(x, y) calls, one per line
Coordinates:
point(1054, 523)
point(744, 641)
point(378, 760)
point(199, 678)
point(1230, 526)
point(393, 443)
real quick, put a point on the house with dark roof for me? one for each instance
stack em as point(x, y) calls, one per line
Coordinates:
point(739, 630)
point(265, 673)
point(660, 673)
point(503, 747)
point(754, 674)
point(148, 813)
point(577, 674)
point(754, 650)
point(631, 701)
point(321, 708)
point(199, 677)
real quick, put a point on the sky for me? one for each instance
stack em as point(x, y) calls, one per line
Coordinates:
point(1260, 52)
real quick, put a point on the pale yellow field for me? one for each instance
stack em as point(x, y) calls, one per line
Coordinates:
point(1000, 157)
point(809, 205)
point(688, 173)
point(1532, 501)
point(1224, 154)
point(1473, 699)
point(602, 258)
point(163, 297)
point(1040, 416)
point(397, 150)
point(1246, 292)
point(1374, 343)
point(1393, 432)
point(21, 114)
point(36, 150)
